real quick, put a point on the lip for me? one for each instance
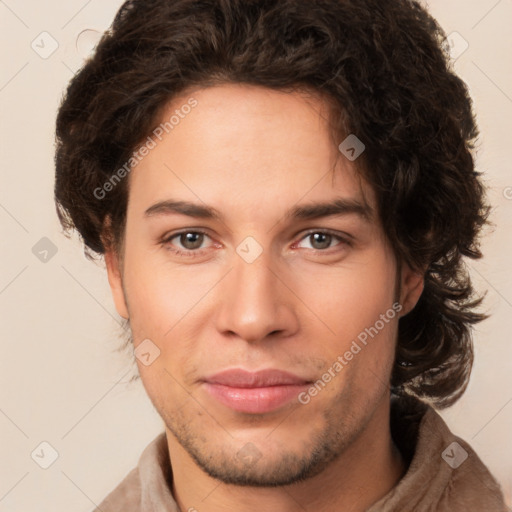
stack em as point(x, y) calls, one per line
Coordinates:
point(255, 392)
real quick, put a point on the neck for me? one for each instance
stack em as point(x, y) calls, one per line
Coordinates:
point(363, 474)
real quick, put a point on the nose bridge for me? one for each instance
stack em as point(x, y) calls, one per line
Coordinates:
point(254, 302)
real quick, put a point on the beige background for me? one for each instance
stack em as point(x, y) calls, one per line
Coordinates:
point(63, 381)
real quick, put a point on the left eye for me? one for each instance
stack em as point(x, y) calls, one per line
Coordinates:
point(320, 240)
point(189, 240)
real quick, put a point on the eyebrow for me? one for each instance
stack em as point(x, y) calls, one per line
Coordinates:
point(311, 211)
point(338, 207)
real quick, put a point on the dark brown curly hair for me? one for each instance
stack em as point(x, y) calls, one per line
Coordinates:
point(383, 65)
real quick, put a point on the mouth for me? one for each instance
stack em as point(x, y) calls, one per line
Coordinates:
point(255, 392)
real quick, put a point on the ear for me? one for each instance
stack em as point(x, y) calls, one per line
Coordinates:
point(115, 280)
point(413, 283)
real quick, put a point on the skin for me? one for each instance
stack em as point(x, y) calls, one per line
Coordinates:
point(252, 154)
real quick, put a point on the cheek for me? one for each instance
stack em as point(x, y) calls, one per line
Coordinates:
point(352, 296)
point(169, 307)
point(163, 385)
point(160, 294)
point(355, 319)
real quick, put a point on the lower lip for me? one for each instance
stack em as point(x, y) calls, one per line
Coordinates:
point(255, 400)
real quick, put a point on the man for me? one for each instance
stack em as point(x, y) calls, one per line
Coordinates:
point(283, 192)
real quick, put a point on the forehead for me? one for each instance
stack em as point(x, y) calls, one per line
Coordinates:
point(246, 146)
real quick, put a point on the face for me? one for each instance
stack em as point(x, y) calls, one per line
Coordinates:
point(230, 264)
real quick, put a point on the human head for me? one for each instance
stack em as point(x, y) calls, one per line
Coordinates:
point(382, 69)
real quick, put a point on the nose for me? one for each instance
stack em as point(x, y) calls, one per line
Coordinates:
point(256, 301)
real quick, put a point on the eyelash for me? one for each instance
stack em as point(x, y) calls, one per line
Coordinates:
point(193, 253)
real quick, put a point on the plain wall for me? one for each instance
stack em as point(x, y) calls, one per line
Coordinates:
point(63, 381)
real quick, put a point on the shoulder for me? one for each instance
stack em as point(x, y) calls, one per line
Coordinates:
point(126, 497)
point(444, 472)
point(145, 484)
point(470, 485)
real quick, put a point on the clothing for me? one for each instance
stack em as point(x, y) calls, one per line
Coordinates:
point(439, 477)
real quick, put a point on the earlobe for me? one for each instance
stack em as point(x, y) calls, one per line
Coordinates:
point(115, 280)
point(413, 283)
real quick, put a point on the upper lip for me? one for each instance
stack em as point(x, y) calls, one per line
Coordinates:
point(238, 378)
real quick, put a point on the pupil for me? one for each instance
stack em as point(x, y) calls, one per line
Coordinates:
point(321, 240)
point(191, 240)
